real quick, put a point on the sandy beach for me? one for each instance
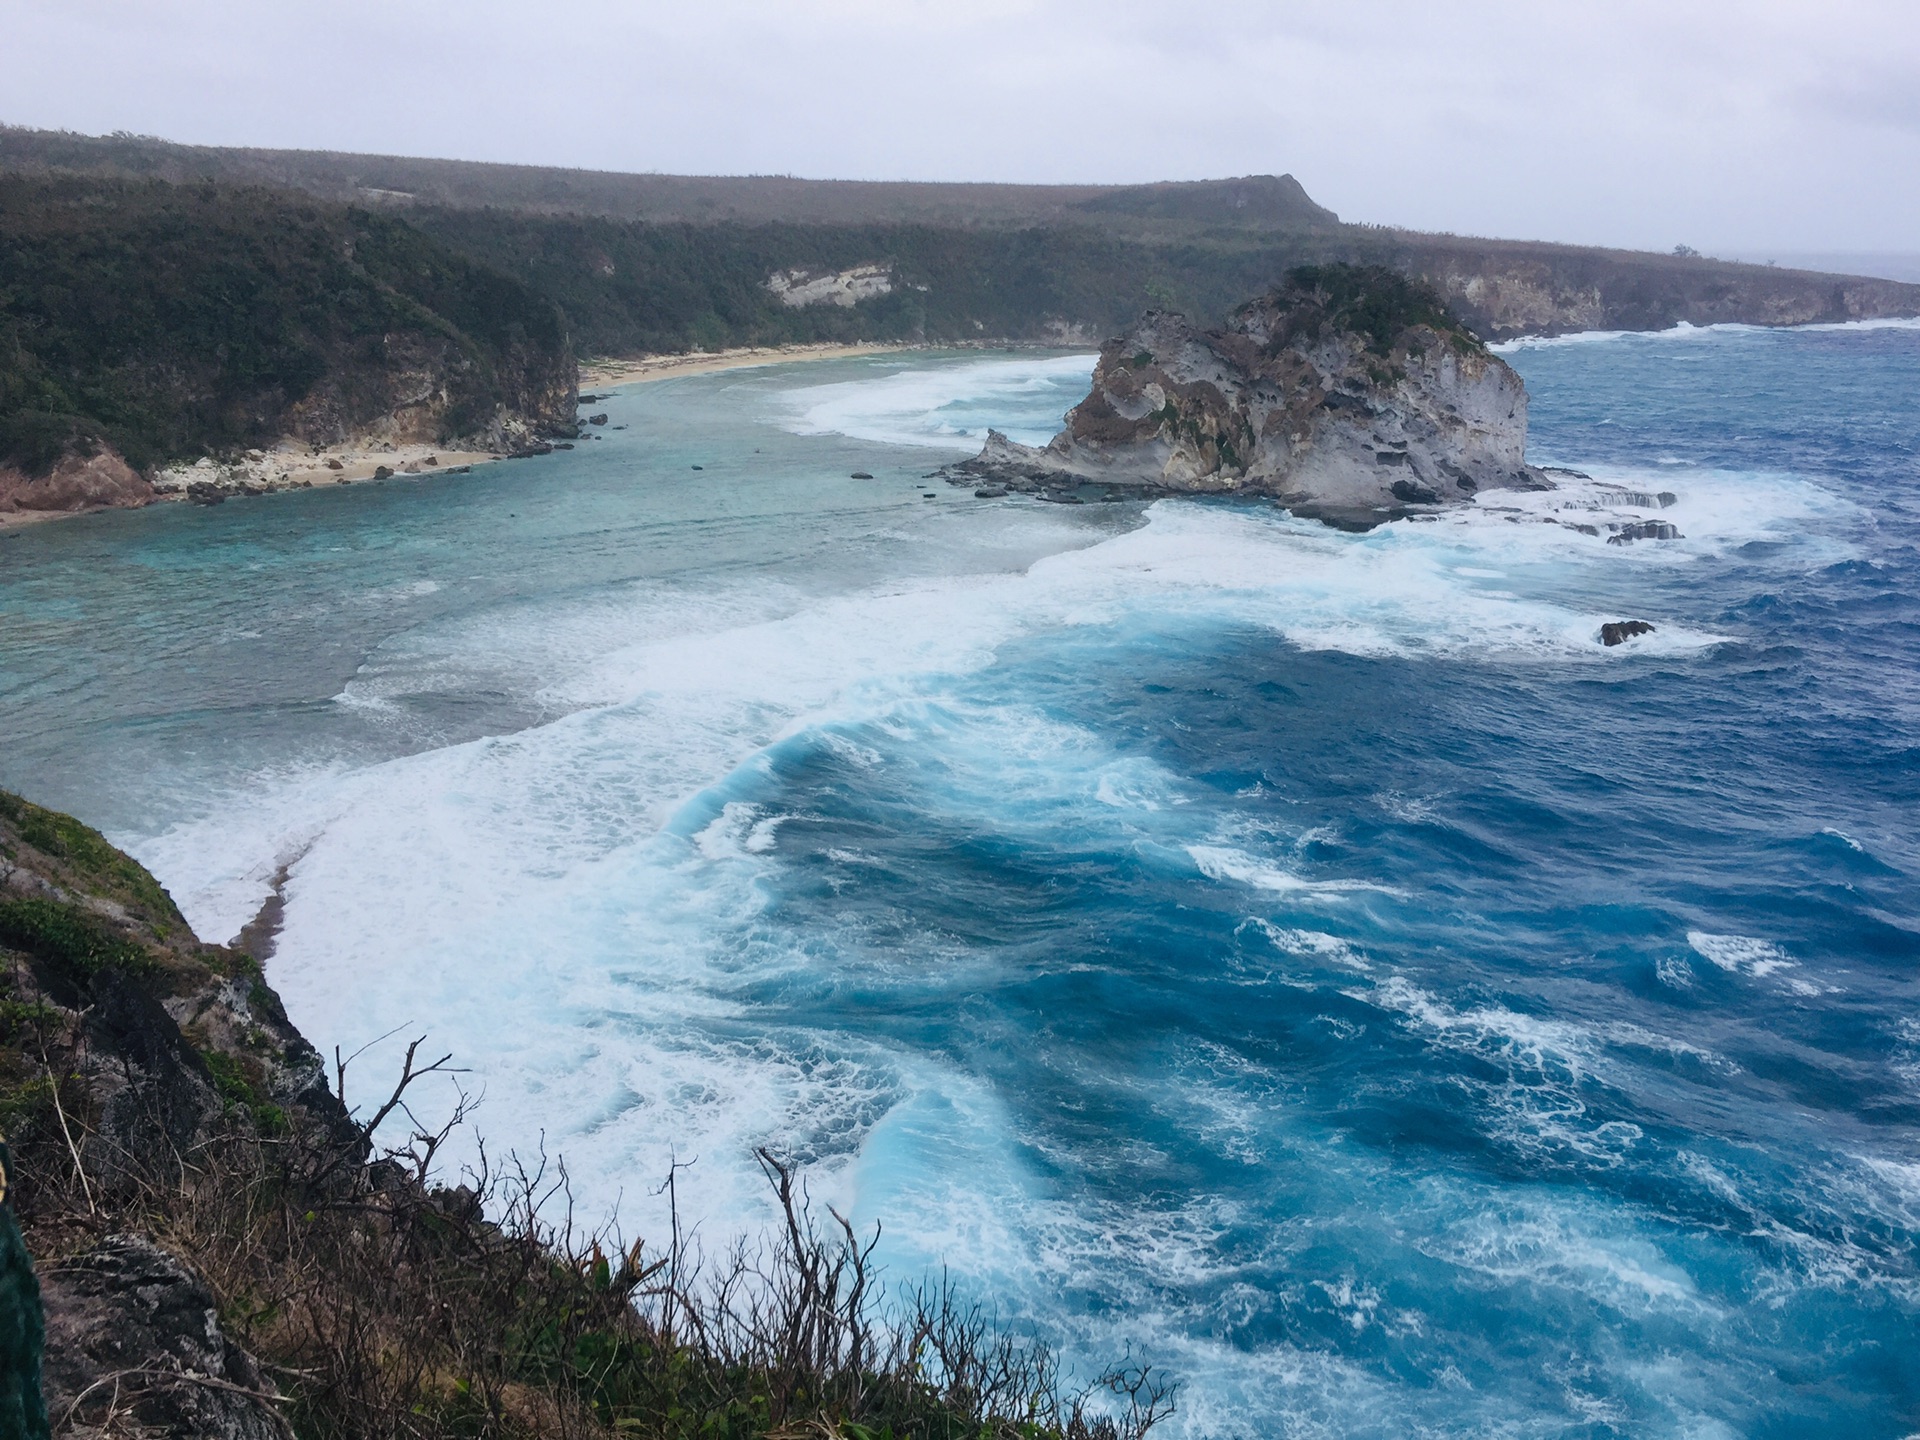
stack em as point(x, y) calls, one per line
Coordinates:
point(604, 374)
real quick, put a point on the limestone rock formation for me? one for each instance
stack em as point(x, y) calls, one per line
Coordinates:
point(99, 481)
point(1347, 393)
point(797, 289)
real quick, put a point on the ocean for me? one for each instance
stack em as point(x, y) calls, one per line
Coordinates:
point(1311, 962)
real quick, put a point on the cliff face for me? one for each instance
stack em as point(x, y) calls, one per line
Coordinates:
point(1504, 290)
point(128, 1050)
point(1347, 393)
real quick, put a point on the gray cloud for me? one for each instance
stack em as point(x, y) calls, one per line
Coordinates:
point(1732, 124)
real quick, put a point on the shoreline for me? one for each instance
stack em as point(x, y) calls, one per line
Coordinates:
point(269, 472)
point(638, 369)
point(292, 467)
point(641, 368)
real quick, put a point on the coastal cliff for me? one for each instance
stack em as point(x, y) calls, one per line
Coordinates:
point(144, 323)
point(1346, 393)
point(1506, 289)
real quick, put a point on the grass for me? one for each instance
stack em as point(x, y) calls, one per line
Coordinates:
point(106, 871)
point(71, 942)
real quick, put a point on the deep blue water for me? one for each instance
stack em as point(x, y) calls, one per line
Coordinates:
point(1312, 960)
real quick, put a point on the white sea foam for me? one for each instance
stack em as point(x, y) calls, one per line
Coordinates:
point(1740, 954)
point(947, 407)
point(1312, 944)
point(431, 888)
point(1687, 331)
point(1219, 862)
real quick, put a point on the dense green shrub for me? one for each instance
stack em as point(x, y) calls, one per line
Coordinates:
point(172, 321)
point(71, 942)
point(1369, 300)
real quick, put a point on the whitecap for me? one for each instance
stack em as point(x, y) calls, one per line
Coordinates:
point(1219, 862)
point(946, 406)
point(1740, 954)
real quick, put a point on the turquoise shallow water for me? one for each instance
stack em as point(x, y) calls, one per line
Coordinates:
point(1312, 959)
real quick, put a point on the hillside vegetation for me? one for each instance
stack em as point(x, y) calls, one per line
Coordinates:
point(170, 321)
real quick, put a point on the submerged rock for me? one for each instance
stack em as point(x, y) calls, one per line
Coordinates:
point(1618, 632)
point(1645, 530)
point(1347, 393)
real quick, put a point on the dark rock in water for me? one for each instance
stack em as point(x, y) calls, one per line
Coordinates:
point(1645, 530)
point(600, 419)
point(699, 467)
point(1642, 499)
point(1618, 632)
point(383, 472)
point(860, 475)
point(564, 445)
point(991, 492)
point(130, 1315)
point(200, 492)
point(1346, 391)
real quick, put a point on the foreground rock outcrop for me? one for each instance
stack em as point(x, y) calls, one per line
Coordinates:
point(129, 1050)
point(134, 1338)
point(1347, 393)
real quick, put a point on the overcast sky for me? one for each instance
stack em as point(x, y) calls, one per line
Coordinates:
point(1732, 125)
